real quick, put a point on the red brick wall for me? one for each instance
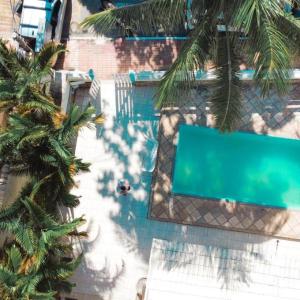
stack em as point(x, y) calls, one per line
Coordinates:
point(119, 56)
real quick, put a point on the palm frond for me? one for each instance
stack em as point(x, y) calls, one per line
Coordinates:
point(11, 211)
point(180, 77)
point(69, 200)
point(58, 231)
point(74, 121)
point(8, 60)
point(34, 136)
point(62, 286)
point(48, 55)
point(7, 277)
point(99, 119)
point(226, 99)
point(23, 235)
point(43, 296)
point(147, 17)
point(268, 48)
point(14, 258)
point(63, 270)
point(290, 27)
point(38, 215)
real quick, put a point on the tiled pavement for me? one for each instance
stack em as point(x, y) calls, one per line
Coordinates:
point(109, 57)
point(279, 117)
point(196, 271)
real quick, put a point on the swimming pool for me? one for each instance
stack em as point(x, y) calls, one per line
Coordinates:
point(244, 167)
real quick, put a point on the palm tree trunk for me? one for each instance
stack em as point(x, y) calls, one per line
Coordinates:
point(4, 169)
point(3, 119)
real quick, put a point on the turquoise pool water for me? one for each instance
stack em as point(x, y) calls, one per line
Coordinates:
point(242, 167)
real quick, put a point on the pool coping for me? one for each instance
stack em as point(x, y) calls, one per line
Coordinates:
point(188, 210)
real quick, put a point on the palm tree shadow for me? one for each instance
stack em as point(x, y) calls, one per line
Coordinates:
point(143, 55)
point(236, 272)
point(103, 280)
point(273, 112)
point(228, 268)
point(97, 280)
point(129, 139)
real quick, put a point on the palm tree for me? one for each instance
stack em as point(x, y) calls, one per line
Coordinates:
point(16, 285)
point(222, 31)
point(37, 260)
point(35, 264)
point(24, 80)
point(44, 150)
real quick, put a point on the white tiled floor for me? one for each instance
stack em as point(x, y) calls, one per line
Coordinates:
point(192, 271)
point(120, 235)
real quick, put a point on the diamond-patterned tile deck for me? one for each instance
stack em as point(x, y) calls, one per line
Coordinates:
point(280, 117)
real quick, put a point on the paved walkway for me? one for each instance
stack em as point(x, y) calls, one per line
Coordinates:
point(118, 248)
point(108, 57)
point(279, 117)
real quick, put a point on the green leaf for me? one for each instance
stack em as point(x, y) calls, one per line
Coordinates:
point(147, 17)
point(15, 258)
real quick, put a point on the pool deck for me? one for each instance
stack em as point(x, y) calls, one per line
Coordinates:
point(278, 117)
point(117, 249)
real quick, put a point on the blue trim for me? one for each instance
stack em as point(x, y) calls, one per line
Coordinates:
point(153, 38)
point(28, 26)
point(163, 38)
point(200, 75)
point(91, 74)
point(39, 8)
point(132, 76)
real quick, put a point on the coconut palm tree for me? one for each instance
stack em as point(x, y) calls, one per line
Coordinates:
point(34, 264)
point(222, 32)
point(24, 80)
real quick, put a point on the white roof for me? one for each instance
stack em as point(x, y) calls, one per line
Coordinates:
point(182, 271)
